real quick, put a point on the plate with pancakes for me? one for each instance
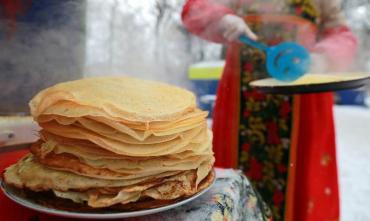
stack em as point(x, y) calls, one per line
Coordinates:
point(113, 147)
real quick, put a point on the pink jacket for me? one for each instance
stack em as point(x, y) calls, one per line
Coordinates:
point(336, 41)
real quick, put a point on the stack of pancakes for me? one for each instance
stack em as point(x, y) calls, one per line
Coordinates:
point(110, 141)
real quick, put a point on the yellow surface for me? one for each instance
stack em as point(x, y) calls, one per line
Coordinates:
point(211, 73)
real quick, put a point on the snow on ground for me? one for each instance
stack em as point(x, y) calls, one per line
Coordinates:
point(353, 140)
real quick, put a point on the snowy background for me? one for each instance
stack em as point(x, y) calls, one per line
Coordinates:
point(142, 38)
point(147, 39)
point(353, 130)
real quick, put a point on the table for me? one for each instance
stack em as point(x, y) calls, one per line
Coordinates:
point(231, 198)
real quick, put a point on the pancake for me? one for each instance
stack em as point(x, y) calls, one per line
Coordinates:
point(120, 97)
point(30, 174)
point(77, 128)
point(118, 168)
point(177, 145)
point(91, 152)
point(164, 191)
point(67, 117)
point(49, 199)
point(80, 188)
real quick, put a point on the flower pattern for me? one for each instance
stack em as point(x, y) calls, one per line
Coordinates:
point(266, 120)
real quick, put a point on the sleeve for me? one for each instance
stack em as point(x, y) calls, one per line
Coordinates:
point(336, 42)
point(201, 17)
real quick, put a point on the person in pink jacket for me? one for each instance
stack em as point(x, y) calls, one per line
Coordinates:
point(284, 144)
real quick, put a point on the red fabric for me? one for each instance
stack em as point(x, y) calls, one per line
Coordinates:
point(225, 139)
point(10, 9)
point(10, 211)
point(316, 191)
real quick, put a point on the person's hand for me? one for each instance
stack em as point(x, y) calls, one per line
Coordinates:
point(319, 64)
point(233, 26)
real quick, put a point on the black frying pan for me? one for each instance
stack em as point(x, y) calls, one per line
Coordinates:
point(265, 86)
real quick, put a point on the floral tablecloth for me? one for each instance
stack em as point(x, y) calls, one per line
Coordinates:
point(231, 198)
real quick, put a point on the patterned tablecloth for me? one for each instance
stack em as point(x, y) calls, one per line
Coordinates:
point(231, 198)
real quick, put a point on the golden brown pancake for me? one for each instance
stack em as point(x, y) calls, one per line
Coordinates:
point(118, 97)
point(48, 199)
point(176, 145)
point(116, 168)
